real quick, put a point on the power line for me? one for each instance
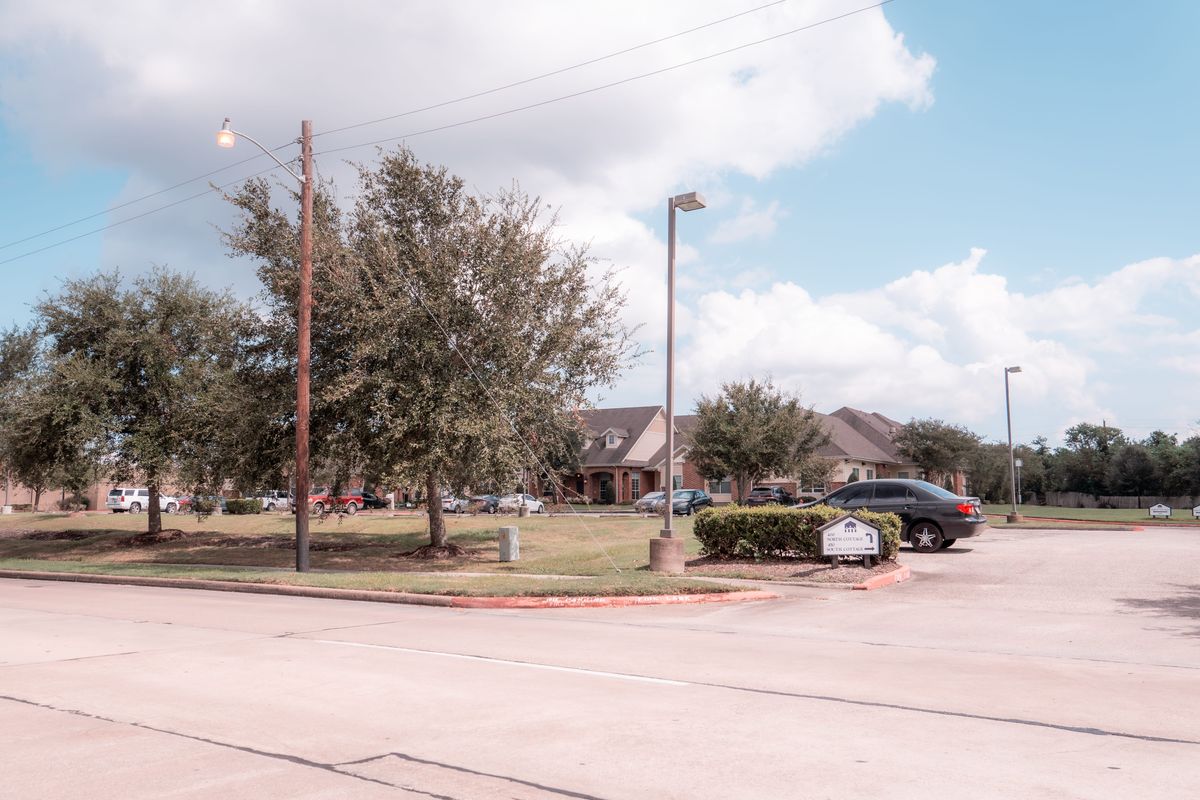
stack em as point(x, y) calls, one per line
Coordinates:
point(462, 123)
point(443, 104)
point(552, 73)
point(621, 82)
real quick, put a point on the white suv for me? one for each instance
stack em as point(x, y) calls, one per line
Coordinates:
point(274, 499)
point(135, 501)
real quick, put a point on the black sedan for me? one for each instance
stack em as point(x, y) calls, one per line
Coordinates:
point(768, 495)
point(933, 518)
point(485, 504)
point(689, 501)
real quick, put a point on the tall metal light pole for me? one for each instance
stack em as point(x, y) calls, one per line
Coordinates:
point(227, 137)
point(1012, 464)
point(666, 552)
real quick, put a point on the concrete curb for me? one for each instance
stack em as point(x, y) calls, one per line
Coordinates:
point(409, 598)
point(886, 579)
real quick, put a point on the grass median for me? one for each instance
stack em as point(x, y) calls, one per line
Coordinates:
point(1108, 516)
point(364, 552)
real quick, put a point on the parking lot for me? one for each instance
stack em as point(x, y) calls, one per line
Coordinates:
point(1025, 663)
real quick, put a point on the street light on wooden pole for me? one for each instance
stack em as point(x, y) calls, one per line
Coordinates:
point(227, 137)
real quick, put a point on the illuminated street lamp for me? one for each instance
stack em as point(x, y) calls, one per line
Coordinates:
point(666, 552)
point(227, 137)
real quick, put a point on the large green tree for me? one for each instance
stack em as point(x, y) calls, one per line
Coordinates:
point(936, 447)
point(1132, 471)
point(453, 335)
point(147, 374)
point(752, 431)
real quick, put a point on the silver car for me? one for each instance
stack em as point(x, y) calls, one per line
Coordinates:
point(651, 503)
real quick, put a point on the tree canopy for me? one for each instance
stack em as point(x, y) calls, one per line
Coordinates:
point(752, 431)
point(936, 447)
point(453, 335)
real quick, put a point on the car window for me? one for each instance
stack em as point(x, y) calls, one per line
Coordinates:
point(892, 493)
point(143, 492)
point(937, 491)
point(857, 496)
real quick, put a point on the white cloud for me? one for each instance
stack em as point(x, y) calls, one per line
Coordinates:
point(750, 223)
point(934, 343)
point(142, 87)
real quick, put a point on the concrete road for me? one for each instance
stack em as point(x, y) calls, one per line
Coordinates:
point(1026, 664)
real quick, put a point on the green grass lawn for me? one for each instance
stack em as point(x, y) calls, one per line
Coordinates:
point(1134, 515)
point(366, 550)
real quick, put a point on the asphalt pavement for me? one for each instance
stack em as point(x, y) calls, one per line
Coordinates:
point(1031, 664)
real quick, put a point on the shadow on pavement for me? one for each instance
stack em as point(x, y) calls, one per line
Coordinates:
point(1185, 605)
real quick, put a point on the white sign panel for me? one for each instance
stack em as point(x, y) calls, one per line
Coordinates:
point(849, 536)
point(1196, 512)
point(1160, 511)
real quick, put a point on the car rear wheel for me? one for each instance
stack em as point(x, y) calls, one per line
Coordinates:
point(318, 508)
point(352, 508)
point(925, 537)
point(135, 508)
point(270, 506)
point(948, 543)
point(172, 508)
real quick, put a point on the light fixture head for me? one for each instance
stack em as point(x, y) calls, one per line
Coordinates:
point(226, 137)
point(689, 202)
point(1012, 369)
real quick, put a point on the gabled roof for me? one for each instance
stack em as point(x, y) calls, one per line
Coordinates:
point(875, 428)
point(599, 421)
point(846, 442)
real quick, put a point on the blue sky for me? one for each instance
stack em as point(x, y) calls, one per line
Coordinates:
point(1057, 137)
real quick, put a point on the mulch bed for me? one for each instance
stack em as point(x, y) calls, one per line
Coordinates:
point(788, 570)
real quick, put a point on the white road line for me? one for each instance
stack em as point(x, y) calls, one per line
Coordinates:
point(597, 673)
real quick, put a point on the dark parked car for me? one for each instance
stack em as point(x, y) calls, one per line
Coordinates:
point(485, 503)
point(366, 500)
point(933, 518)
point(689, 501)
point(766, 495)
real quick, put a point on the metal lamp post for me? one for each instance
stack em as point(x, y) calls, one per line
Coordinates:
point(1012, 464)
point(227, 137)
point(666, 552)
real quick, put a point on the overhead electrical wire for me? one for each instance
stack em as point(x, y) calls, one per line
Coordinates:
point(411, 112)
point(449, 126)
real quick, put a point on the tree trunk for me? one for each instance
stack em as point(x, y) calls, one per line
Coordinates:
point(37, 499)
point(437, 525)
point(153, 515)
point(741, 484)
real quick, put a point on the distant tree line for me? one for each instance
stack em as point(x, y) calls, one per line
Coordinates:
point(1094, 459)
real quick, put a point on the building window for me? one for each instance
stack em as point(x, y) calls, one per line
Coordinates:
point(818, 489)
point(720, 487)
point(853, 475)
point(870, 474)
point(676, 481)
point(635, 486)
point(611, 441)
point(902, 475)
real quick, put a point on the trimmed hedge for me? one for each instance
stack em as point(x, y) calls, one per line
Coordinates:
point(772, 532)
point(248, 505)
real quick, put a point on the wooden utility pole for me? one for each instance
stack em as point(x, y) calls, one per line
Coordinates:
point(303, 351)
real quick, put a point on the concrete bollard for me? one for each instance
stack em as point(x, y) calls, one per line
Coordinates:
point(510, 543)
point(522, 510)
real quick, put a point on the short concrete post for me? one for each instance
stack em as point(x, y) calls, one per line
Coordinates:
point(510, 543)
point(522, 510)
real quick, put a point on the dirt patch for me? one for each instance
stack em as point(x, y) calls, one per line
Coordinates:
point(52, 536)
point(147, 539)
point(787, 570)
point(432, 552)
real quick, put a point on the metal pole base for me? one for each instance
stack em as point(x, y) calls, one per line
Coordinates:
point(666, 555)
point(1015, 518)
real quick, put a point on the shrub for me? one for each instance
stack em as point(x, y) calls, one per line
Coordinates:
point(73, 503)
point(203, 506)
point(773, 532)
point(246, 505)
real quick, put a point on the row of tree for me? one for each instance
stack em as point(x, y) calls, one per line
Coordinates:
point(453, 338)
point(1098, 460)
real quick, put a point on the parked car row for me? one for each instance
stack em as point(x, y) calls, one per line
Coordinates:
point(683, 501)
point(491, 504)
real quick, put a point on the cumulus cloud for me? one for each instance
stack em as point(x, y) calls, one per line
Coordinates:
point(142, 86)
point(750, 223)
point(934, 343)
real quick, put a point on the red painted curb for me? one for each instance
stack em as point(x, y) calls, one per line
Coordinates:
point(886, 579)
point(608, 602)
point(409, 598)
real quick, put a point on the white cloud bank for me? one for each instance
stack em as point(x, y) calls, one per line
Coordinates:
point(934, 343)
